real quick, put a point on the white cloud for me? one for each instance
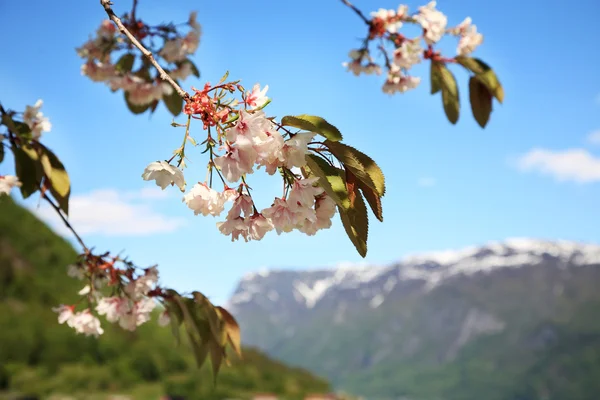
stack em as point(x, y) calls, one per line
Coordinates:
point(594, 137)
point(576, 165)
point(110, 213)
point(426, 182)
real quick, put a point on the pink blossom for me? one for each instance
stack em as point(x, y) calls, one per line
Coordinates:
point(258, 226)
point(204, 200)
point(238, 160)
point(281, 216)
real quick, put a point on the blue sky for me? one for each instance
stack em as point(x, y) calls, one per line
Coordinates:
point(448, 186)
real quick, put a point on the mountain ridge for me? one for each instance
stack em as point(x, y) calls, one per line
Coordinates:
point(433, 267)
point(501, 321)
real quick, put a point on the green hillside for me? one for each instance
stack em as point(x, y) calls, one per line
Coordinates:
point(40, 357)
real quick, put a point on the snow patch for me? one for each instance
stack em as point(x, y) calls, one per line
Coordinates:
point(376, 301)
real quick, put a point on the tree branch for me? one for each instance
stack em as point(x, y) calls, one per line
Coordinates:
point(66, 222)
point(163, 75)
point(357, 11)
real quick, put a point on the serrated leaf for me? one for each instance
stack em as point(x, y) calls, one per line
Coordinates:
point(481, 101)
point(356, 224)
point(450, 97)
point(232, 329)
point(373, 200)
point(174, 102)
point(125, 63)
point(361, 165)
point(28, 169)
point(330, 179)
point(485, 74)
point(60, 184)
point(136, 109)
point(314, 124)
point(435, 78)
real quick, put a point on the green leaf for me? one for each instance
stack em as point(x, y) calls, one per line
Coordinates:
point(224, 77)
point(125, 63)
point(330, 179)
point(356, 224)
point(1, 151)
point(373, 199)
point(60, 184)
point(361, 165)
point(450, 98)
point(435, 77)
point(174, 102)
point(490, 80)
point(485, 74)
point(217, 354)
point(199, 349)
point(28, 169)
point(232, 329)
point(481, 101)
point(196, 72)
point(474, 65)
point(135, 108)
point(314, 124)
point(21, 129)
point(175, 315)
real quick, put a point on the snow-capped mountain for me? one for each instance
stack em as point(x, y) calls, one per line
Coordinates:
point(432, 269)
point(421, 312)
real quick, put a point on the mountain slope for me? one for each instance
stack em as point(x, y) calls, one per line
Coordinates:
point(39, 356)
point(510, 320)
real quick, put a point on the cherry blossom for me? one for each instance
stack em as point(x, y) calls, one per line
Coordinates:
point(303, 193)
point(257, 98)
point(36, 121)
point(258, 226)
point(8, 182)
point(164, 319)
point(295, 149)
point(238, 160)
point(469, 40)
point(408, 54)
point(433, 22)
point(281, 216)
point(164, 174)
point(204, 200)
point(234, 227)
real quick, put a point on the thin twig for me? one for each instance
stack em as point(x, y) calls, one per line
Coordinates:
point(133, 9)
point(357, 11)
point(163, 75)
point(68, 225)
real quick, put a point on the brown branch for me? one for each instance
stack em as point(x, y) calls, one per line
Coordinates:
point(163, 75)
point(68, 225)
point(357, 11)
point(133, 10)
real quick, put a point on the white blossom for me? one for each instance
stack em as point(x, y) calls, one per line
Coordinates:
point(8, 182)
point(164, 174)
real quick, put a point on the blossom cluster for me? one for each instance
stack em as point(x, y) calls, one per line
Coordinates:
point(130, 303)
point(38, 124)
point(407, 52)
point(140, 87)
point(247, 140)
